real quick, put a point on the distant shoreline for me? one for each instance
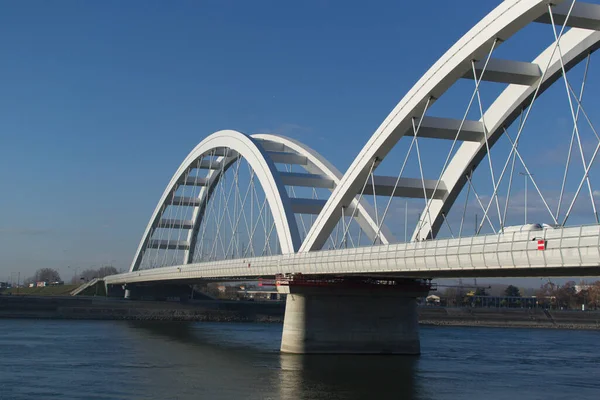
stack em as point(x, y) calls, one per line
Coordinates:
point(510, 324)
point(101, 308)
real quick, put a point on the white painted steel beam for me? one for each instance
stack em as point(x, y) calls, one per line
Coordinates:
point(270, 145)
point(446, 128)
point(207, 164)
point(507, 71)
point(184, 201)
point(175, 223)
point(583, 15)
point(168, 244)
point(287, 158)
point(306, 180)
point(191, 180)
point(307, 206)
point(222, 152)
point(407, 187)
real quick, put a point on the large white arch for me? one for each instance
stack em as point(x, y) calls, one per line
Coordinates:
point(265, 171)
point(575, 45)
point(498, 26)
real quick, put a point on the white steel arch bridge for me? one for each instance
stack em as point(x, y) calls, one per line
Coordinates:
point(506, 96)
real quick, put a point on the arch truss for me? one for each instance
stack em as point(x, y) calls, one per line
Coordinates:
point(237, 196)
point(482, 95)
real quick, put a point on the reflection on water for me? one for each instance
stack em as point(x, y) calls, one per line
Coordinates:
point(120, 360)
point(347, 376)
point(296, 376)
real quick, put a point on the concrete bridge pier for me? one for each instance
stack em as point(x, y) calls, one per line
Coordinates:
point(351, 318)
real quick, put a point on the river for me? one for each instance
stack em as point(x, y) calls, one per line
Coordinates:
point(46, 359)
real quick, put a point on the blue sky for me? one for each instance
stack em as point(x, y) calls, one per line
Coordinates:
point(100, 101)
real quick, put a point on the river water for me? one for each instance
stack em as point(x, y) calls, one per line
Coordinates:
point(124, 360)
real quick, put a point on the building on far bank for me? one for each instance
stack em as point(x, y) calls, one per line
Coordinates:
point(580, 287)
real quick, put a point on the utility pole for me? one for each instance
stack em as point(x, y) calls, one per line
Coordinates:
point(405, 221)
point(526, 176)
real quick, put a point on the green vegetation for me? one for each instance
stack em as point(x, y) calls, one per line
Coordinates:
point(512, 291)
point(59, 290)
point(44, 275)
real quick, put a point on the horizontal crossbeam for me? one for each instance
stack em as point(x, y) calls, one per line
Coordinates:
point(307, 206)
point(407, 187)
point(446, 128)
point(583, 15)
point(191, 180)
point(306, 180)
point(175, 224)
point(222, 152)
point(271, 146)
point(207, 164)
point(185, 201)
point(279, 157)
point(168, 244)
point(507, 71)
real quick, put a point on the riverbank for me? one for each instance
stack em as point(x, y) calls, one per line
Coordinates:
point(58, 290)
point(510, 317)
point(102, 308)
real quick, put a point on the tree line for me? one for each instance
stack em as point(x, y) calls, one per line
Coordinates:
point(51, 275)
point(568, 296)
point(43, 275)
point(89, 274)
point(549, 295)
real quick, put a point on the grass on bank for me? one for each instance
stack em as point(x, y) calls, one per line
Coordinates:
point(60, 290)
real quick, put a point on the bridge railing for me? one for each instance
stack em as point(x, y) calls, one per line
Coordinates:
point(572, 247)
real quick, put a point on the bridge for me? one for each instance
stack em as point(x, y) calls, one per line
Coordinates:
point(264, 206)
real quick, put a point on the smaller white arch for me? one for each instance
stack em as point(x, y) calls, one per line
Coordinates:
point(266, 173)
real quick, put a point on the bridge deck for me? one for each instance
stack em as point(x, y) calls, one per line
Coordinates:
point(568, 252)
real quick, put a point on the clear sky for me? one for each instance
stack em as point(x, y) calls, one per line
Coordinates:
point(101, 100)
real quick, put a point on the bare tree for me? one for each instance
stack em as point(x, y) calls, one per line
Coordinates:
point(593, 295)
point(47, 275)
point(29, 280)
point(106, 271)
point(88, 275)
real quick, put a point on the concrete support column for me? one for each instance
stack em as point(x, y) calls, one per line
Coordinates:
point(364, 319)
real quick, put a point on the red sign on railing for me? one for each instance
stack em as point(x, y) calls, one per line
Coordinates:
point(541, 244)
